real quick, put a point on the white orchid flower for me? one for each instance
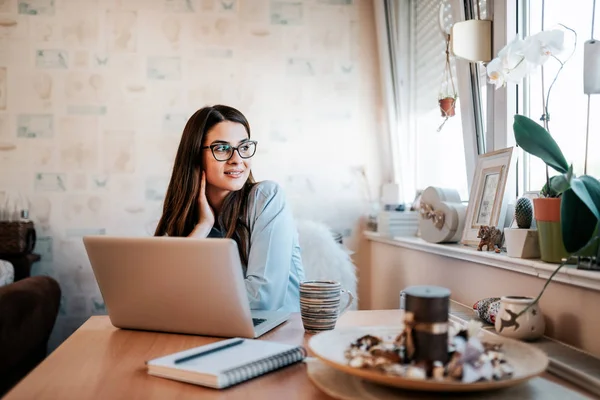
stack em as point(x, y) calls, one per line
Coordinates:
point(539, 47)
point(510, 65)
point(514, 60)
point(496, 73)
point(520, 57)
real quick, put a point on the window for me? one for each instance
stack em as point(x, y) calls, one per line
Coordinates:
point(568, 104)
point(439, 153)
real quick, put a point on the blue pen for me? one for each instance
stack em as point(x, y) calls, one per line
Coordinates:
point(209, 351)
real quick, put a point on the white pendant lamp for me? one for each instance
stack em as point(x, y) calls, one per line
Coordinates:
point(591, 78)
point(471, 40)
point(591, 62)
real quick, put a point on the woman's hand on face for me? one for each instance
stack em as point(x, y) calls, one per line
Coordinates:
point(207, 215)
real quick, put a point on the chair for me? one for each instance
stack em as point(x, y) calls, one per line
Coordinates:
point(325, 259)
point(28, 311)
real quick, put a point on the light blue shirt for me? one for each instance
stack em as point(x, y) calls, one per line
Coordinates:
point(274, 269)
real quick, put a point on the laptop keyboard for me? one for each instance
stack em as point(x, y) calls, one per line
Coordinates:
point(258, 321)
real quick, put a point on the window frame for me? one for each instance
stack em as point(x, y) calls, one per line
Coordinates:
point(469, 86)
point(503, 103)
point(478, 137)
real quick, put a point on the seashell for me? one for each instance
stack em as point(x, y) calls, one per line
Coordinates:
point(395, 369)
point(357, 362)
point(415, 372)
point(438, 370)
point(391, 355)
point(366, 342)
point(380, 362)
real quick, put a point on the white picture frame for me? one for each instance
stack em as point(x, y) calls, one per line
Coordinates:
point(488, 199)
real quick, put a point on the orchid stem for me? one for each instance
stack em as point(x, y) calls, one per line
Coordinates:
point(535, 301)
point(546, 116)
point(591, 242)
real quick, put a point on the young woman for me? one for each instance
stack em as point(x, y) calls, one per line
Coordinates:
point(212, 194)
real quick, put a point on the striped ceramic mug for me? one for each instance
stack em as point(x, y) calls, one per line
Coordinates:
point(320, 304)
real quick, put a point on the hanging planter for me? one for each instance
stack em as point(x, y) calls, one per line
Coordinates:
point(447, 97)
point(447, 106)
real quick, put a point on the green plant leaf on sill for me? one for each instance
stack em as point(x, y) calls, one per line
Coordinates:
point(588, 190)
point(591, 248)
point(537, 141)
point(579, 212)
point(560, 183)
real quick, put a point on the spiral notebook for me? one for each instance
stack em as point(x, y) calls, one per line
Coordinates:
point(226, 363)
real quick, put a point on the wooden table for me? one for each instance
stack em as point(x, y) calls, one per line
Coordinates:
point(100, 361)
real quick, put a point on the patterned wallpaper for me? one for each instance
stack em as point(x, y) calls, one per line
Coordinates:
point(94, 95)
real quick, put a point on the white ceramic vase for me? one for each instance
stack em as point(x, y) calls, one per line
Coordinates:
point(529, 326)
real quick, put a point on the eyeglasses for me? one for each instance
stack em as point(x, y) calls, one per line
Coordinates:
point(224, 151)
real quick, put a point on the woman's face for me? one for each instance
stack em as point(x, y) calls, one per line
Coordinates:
point(233, 173)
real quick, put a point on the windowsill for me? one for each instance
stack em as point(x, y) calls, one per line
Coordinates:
point(568, 274)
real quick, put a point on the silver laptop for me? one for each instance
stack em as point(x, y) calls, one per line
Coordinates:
point(179, 285)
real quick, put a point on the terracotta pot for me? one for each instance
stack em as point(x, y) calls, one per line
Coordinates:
point(547, 209)
point(547, 217)
point(447, 106)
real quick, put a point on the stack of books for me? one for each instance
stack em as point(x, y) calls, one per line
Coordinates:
point(398, 223)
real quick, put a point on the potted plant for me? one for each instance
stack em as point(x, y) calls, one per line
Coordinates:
point(547, 208)
point(447, 103)
point(513, 63)
point(447, 95)
point(522, 242)
point(580, 205)
point(579, 197)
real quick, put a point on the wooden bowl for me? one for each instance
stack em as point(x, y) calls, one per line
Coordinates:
point(527, 361)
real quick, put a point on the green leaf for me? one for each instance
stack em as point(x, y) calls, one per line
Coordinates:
point(588, 191)
point(570, 174)
point(579, 212)
point(559, 184)
point(537, 141)
point(577, 222)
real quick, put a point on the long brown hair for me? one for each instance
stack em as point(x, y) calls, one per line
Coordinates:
point(180, 210)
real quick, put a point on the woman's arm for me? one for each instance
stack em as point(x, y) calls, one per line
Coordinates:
point(271, 246)
point(201, 231)
point(207, 216)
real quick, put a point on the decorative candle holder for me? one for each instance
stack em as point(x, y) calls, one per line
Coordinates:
point(426, 323)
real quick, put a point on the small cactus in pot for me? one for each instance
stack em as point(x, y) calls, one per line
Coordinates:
point(524, 212)
point(522, 241)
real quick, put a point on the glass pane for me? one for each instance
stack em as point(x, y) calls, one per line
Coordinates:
point(483, 88)
point(440, 155)
point(567, 103)
point(480, 12)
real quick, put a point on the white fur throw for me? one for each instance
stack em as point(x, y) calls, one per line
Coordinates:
point(324, 258)
point(7, 273)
